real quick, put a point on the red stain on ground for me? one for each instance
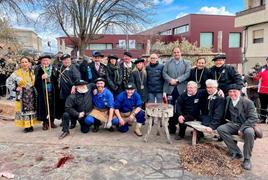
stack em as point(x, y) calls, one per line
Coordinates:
point(63, 160)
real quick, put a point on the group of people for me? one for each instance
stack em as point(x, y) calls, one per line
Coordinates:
point(115, 95)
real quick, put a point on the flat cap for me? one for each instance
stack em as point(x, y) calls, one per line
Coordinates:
point(97, 54)
point(80, 82)
point(43, 57)
point(234, 86)
point(112, 56)
point(219, 56)
point(130, 85)
point(127, 54)
point(99, 79)
point(65, 56)
point(139, 60)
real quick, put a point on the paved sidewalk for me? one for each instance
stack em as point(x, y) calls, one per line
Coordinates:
point(102, 155)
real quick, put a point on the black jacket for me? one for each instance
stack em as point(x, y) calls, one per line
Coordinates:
point(195, 76)
point(226, 75)
point(86, 67)
point(125, 74)
point(79, 102)
point(139, 78)
point(114, 84)
point(155, 80)
point(67, 78)
point(41, 98)
point(212, 116)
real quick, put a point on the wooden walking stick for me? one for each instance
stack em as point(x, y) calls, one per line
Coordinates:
point(48, 109)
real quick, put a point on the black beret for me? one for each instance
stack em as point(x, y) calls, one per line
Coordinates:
point(112, 56)
point(97, 54)
point(138, 60)
point(80, 82)
point(219, 56)
point(234, 86)
point(128, 54)
point(44, 56)
point(99, 79)
point(65, 56)
point(130, 85)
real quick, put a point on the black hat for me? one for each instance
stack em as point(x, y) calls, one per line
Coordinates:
point(138, 60)
point(99, 79)
point(80, 82)
point(65, 56)
point(219, 56)
point(44, 56)
point(112, 56)
point(128, 54)
point(130, 85)
point(234, 86)
point(97, 54)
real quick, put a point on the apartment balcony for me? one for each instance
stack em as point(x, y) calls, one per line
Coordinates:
point(252, 16)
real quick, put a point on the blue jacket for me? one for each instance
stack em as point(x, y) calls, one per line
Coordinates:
point(155, 80)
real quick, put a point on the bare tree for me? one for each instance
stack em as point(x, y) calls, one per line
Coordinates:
point(82, 20)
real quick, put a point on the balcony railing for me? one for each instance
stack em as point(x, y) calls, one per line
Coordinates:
point(250, 10)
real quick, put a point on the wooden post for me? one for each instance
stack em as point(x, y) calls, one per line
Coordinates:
point(48, 109)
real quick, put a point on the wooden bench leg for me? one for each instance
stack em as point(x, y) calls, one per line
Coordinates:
point(194, 137)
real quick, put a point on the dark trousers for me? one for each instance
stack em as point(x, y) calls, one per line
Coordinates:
point(62, 110)
point(264, 104)
point(227, 130)
point(173, 120)
point(66, 119)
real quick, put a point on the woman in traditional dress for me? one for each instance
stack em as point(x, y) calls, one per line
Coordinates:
point(23, 80)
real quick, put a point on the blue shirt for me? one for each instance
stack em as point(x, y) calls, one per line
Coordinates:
point(124, 104)
point(104, 100)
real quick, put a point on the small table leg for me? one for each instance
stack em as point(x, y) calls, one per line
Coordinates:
point(194, 137)
point(149, 129)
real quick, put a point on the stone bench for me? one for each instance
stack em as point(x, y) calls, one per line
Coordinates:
point(197, 126)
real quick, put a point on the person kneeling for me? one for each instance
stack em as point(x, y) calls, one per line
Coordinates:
point(128, 109)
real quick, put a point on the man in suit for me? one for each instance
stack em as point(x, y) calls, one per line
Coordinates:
point(175, 73)
point(242, 117)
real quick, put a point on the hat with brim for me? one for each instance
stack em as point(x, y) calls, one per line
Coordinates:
point(43, 57)
point(99, 79)
point(139, 60)
point(97, 54)
point(128, 54)
point(130, 85)
point(65, 56)
point(219, 56)
point(112, 56)
point(80, 82)
point(234, 87)
point(123, 128)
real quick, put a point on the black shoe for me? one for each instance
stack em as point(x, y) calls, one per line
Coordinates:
point(26, 130)
point(111, 129)
point(31, 129)
point(247, 164)
point(72, 126)
point(96, 129)
point(63, 135)
point(236, 156)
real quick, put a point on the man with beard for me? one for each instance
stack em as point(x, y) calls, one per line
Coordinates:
point(225, 74)
point(77, 107)
point(68, 75)
point(46, 84)
point(200, 73)
point(126, 67)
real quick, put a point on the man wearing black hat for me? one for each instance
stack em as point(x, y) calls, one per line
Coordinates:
point(68, 75)
point(126, 67)
point(241, 117)
point(46, 84)
point(128, 109)
point(103, 110)
point(114, 76)
point(139, 78)
point(224, 74)
point(77, 107)
point(91, 71)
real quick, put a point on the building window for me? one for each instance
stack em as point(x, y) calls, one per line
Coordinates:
point(234, 40)
point(100, 46)
point(139, 46)
point(206, 40)
point(258, 36)
point(168, 32)
point(181, 29)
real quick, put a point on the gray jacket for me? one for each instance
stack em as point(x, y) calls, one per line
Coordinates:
point(181, 74)
point(246, 112)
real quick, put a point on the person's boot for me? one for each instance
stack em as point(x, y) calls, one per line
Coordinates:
point(53, 125)
point(45, 126)
point(247, 164)
point(137, 129)
point(26, 130)
point(64, 134)
point(30, 129)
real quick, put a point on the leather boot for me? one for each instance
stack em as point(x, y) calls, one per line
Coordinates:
point(137, 129)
